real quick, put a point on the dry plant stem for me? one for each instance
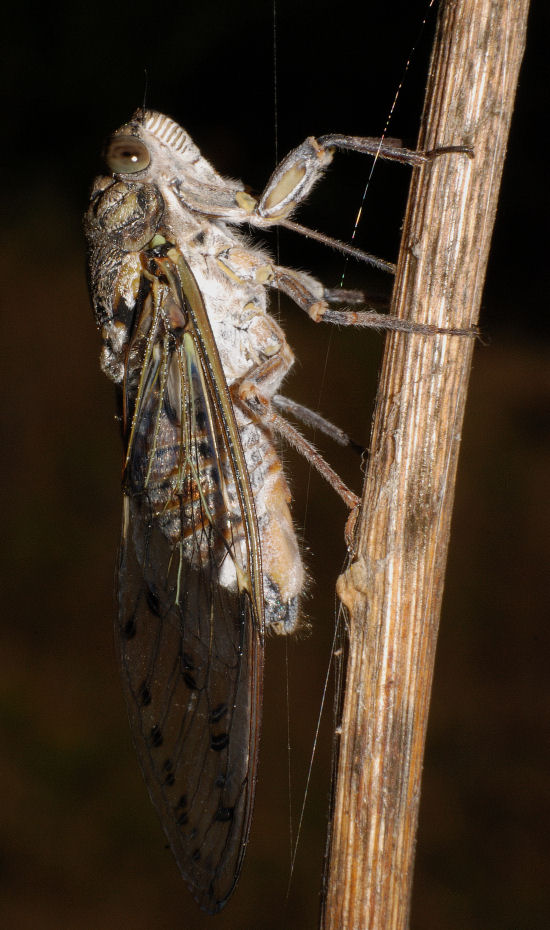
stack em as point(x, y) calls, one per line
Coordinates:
point(394, 587)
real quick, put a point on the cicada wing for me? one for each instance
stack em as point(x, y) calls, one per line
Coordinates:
point(190, 629)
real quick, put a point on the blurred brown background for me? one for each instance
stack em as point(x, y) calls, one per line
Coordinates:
point(79, 843)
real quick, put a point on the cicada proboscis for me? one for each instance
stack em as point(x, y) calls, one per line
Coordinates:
point(209, 558)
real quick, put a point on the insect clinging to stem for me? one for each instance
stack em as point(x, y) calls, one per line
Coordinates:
point(209, 559)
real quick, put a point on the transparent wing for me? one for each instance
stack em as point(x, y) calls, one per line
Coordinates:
point(190, 623)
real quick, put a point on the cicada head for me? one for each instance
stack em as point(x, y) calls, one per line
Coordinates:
point(152, 147)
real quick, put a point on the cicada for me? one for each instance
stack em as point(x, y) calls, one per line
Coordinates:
point(209, 559)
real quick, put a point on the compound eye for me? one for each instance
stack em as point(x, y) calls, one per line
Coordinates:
point(126, 155)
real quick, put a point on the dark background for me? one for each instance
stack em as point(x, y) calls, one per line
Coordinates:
point(79, 843)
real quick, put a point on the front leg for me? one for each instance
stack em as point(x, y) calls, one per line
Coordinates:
point(294, 178)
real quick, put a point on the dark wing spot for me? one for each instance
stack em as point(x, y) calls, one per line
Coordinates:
point(224, 814)
point(204, 449)
point(181, 819)
point(190, 681)
point(153, 602)
point(168, 767)
point(218, 713)
point(196, 855)
point(144, 694)
point(219, 741)
point(156, 736)
point(129, 628)
point(201, 420)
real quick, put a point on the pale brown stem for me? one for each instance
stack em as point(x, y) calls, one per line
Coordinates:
point(394, 586)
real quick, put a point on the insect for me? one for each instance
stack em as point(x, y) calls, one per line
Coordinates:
point(209, 559)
